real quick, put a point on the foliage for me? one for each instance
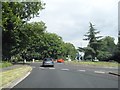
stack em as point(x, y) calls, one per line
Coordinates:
point(14, 16)
point(103, 55)
point(70, 50)
point(116, 55)
point(93, 41)
point(107, 44)
point(103, 49)
point(89, 53)
point(23, 40)
point(106, 49)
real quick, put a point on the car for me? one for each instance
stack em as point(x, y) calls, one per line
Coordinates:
point(48, 62)
point(60, 61)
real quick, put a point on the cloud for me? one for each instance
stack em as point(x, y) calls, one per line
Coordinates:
point(70, 18)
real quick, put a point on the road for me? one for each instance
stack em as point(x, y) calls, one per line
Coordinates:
point(68, 76)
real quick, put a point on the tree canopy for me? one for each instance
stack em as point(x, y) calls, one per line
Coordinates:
point(23, 40)
point(103, 49)
point(14, 16)
point(93, 40)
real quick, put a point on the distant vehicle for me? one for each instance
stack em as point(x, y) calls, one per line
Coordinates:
point(60, 61)
point(48, 62)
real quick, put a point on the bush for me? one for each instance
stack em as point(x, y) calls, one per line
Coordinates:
point(103, 56)
point(16, 58)
point(88, 57)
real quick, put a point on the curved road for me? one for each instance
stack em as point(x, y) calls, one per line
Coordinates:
point(68, 76)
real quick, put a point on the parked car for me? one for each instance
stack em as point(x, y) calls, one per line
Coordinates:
point(48, 62)
point(60, 61)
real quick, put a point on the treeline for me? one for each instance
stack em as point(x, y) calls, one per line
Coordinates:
point(99, 47)
point(23, 40)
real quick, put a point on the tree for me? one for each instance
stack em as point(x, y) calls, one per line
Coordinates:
point(69, 49)
point(106, 49)
point(89, 53)
point(107, 44)
point(52, 45)
point(14, 15)
point(34, 32)
point(93, 39)
point(116, 56)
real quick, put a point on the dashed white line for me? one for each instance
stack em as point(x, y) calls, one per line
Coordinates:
point(51, 68)
point(99, 72)
point(65, 69)
point(81, 70)
point(33, 67)
point(41, 67)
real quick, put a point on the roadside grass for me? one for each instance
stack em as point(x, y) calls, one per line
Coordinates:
point(5, 64)
point(9, 76)
point(104, 64)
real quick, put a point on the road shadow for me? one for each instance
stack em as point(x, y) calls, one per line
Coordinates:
point(45, 66)
point(20, 63)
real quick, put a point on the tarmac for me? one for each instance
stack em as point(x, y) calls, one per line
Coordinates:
point(18, 80)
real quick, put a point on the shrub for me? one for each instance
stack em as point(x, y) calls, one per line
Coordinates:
point(103, 56)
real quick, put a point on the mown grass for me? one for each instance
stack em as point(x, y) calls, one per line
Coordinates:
point(8, 76)
point(105, 64)
point(5, 64)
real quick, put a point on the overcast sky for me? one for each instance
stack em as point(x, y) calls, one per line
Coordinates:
point(70, 18)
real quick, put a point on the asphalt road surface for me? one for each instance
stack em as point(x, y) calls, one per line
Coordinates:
point(69, 76)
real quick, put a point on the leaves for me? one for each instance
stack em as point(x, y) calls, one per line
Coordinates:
point(93, 41)
point(14, 16)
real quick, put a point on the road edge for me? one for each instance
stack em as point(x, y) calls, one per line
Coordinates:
point(16, 81)
point(117, 74)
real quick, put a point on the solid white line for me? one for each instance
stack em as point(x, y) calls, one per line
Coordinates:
point(65, 69)
point(99, 72)
point(82, 70)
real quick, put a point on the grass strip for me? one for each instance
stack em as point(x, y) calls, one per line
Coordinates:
point(11, 75)
point(105, 64)
point(5, 64)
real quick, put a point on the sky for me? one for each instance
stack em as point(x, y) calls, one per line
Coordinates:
point(70, 18)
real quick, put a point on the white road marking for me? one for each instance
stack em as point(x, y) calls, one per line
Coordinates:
point(99, 72)
point(51, 68)
point(33, 67)
point(41, 67)
point(82, 70)
point(65, 69)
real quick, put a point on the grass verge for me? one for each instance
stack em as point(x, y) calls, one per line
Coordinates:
point(5, 64)
point(104, 64)
point(9, 76)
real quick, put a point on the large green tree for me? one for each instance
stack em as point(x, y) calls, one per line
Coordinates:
point(106, 49)
point(69, 50)
point(93, 40)
point(14, 15)
point(34, 34)
point(116, 56)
